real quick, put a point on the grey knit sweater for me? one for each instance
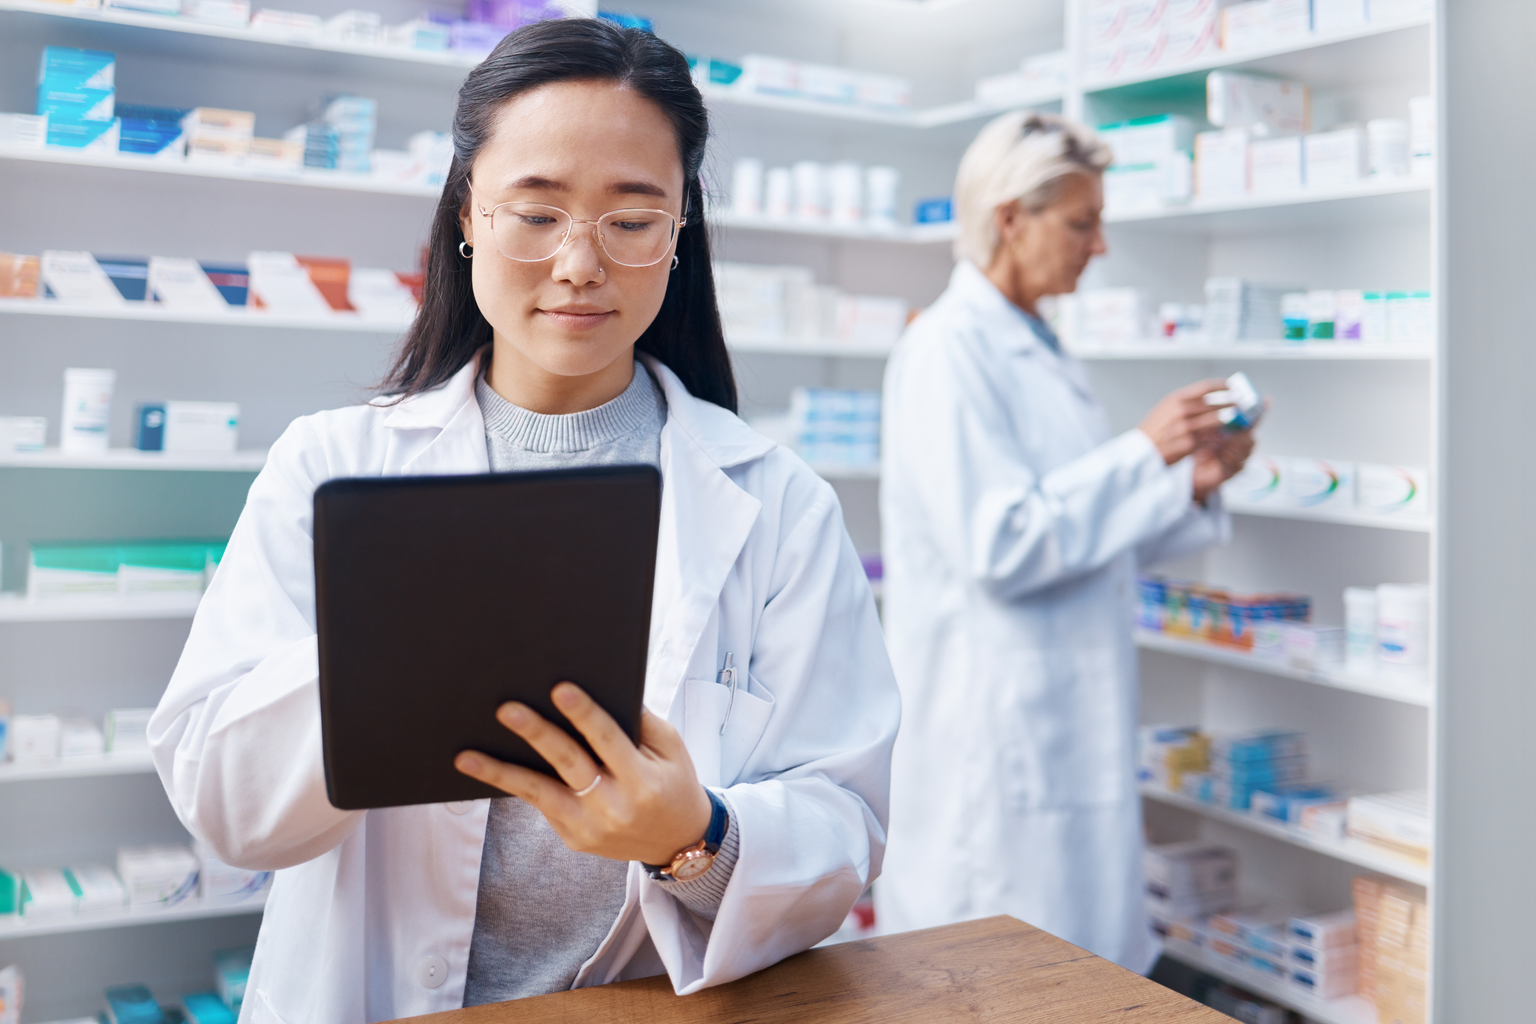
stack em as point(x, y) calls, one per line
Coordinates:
point(543, 909)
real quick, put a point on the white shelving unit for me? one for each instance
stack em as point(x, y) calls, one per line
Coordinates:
point(84, 767)
point(1411, 690)
point(190, 910)
point(1373, 730)
point(1351, 851)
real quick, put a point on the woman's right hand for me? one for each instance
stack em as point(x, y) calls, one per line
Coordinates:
point(1184, 421)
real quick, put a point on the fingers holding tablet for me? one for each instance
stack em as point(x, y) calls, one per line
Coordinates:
point(649, 804)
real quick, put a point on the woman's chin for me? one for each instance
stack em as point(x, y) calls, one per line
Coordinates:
point(575, 356)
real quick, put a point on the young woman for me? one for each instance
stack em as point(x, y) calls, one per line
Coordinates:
point(569, 319)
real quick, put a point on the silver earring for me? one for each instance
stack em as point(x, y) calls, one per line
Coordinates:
point(466, 250)
point(674, 262)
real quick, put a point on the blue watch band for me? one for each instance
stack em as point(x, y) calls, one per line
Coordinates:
point(714, 835)
point(719, 822)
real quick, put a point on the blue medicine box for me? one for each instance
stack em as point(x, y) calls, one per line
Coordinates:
point(76, 84)
point(933, 211)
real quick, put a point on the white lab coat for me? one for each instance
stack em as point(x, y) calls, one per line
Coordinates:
point(371, 913)
point(1012, 527)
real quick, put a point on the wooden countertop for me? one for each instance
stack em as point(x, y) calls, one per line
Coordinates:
point(997, 969)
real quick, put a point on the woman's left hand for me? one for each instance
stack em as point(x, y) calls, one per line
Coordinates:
point(648, 804)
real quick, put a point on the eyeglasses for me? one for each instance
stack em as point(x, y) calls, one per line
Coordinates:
point(534, 232)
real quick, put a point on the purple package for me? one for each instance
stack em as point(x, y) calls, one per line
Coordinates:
point(474, 36)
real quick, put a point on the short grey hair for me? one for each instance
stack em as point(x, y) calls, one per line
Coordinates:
point(1021, 157)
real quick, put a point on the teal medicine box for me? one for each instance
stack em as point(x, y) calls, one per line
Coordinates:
point(75, 84)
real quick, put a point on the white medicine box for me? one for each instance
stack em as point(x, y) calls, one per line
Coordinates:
point(188, 427)
point(1275, 166)
point(157, 875)
point(1335, 160)
point(1221, 165)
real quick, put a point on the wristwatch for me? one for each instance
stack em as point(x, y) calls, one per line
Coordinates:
point(694, 860)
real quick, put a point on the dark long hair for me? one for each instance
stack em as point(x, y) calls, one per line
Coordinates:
point(686, 334)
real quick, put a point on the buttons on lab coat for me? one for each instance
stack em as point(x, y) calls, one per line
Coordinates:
point(432, 972)
point(457, 806)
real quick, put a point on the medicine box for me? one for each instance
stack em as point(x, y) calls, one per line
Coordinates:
point(157, 875)
point(34, 738)
point(1260, 482)
point(206, 1008)
point(229, 13)
point(23, 131)
point(46, 893)
point(1398, 820)
point(220, 881)
point(79, 737)
point(1392, 490)
point(1176, 871)
point(127, 730)
point(1221, 164)
point(132, 1004)
point(22, 433)
point(76, 84)
point(86, 135)
point(1318, 483)
point(1271, 106)
point(96, 887)
point(231, 969)
point(1275, 166)
point(1323, 931)
point(1335, 160)
point(188, 427)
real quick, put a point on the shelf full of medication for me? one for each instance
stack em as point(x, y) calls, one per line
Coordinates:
point(1264, 150)
point(136, 1004)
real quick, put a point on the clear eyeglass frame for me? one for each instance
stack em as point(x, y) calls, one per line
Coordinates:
point(570, 223)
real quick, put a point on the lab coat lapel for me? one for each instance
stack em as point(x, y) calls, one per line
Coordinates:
point(705, 521)
point(1010, 330)
point(440, 432)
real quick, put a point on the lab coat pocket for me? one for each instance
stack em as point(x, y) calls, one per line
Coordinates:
point(718, 754)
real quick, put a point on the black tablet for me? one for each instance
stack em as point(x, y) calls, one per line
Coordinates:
point(437, 598)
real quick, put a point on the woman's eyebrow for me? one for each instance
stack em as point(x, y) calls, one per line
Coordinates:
point(535, 181)
point(636, 188)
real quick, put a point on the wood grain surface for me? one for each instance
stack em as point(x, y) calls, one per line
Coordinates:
point(998, 969)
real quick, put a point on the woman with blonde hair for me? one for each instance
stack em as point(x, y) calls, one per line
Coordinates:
point(1013, 525)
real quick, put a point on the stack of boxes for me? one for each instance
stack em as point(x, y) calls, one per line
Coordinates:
point(1246, 763)
point(834, 427)
point(1152, 162)
point(1240, 310)
point(1135, 37)
point(76, 92)
point(219, 136)
point(1392, 927)
point(1188, 881)
point(1324, 954)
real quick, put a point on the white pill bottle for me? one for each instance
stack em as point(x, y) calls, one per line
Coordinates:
point(1402, 626)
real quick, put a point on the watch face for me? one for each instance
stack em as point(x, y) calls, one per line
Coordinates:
point(691, 865)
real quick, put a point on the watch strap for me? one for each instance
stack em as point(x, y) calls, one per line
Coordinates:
point(714, 835)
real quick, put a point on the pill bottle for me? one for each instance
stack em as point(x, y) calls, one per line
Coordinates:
point(1360, 630)
point(87, 409)
point(778, 194)
point(880, 187)
point(1402, 626)
point(747, 187)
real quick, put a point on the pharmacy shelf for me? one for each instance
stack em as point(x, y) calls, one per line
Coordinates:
point(15, 608)
point(1408, 691)
point(1344, 517)
point(97, 766)
point(342, 180)
point(189, 27)
point(915, 234)
point(834, 473)
point(1370, 201)
point(13, 927)
point(352, 322)
point(131, 458)
point(824, 348)
point(458, 63)
point(233, 316)
point(1345, 1010)
point(1354, 851)
point(1158, 349)
point(1232, 58)
point(933, 117)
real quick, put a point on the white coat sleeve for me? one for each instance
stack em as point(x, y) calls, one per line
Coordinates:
point(812, 801)
point(1002, 522)
point(236, 737)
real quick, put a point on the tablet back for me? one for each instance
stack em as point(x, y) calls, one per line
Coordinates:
point(439, 598)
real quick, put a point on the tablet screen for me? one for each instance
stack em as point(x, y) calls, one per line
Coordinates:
point(439, 598)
